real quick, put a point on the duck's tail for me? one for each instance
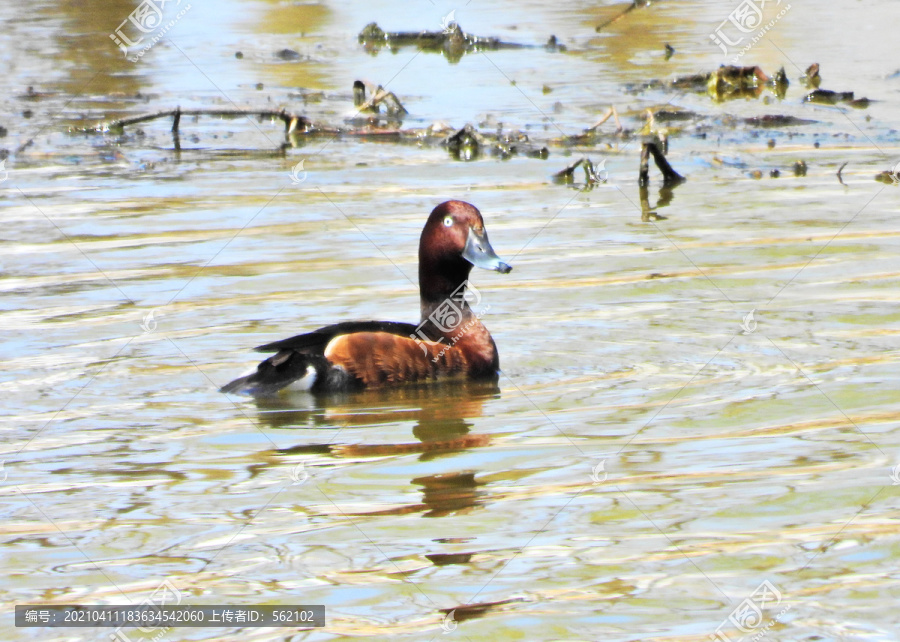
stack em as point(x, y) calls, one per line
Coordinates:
point(286, 368)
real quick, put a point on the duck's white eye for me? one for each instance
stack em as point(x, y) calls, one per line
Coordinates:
point(448, 221)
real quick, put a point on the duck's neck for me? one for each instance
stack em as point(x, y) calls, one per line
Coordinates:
point(447, 316)
point(442, 293)
point(440, 281)
point(448, 311)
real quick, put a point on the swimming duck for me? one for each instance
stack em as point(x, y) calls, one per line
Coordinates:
point(449, 342)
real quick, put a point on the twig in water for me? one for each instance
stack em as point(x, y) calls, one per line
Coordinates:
point(567, 175)
point(634, 5)
point(291, 121)
point(841, 169)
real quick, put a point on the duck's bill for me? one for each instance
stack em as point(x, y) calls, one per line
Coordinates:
point(478, 252)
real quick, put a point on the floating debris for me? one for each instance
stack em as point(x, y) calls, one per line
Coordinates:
point(592, 134)
point(777, 120)
point(670, 51)
point(466, 144)
point(470, 611)
point(567, 175)
point(673, 115)
point(359, 93)
point(827, 97)
point(812, 78)
point(780, 83)
point(292, 122)
point(288, 55)
point(438, 128)
point(593, 175)
point(890, 177)
point(453, 42)
point(31, 94)
point(380, 96)
point(512, 143)
point(730, 82)
point(694, 82)
point(610, 113)
point(553, 45)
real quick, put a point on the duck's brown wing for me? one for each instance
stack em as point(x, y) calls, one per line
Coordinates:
point(382, 358)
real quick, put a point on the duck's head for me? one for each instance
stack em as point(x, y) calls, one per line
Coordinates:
point(454, 239)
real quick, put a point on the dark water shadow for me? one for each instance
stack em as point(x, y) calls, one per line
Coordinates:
point(440, 411)
point(443, 417)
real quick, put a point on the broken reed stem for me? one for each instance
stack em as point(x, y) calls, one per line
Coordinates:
point(291, 121)
point(567, 174)
point(359, 93)
point(610, 113)
point(670, 176)
point(644, 171)
point(841, 169)
point(634, 5)
point(381, 95)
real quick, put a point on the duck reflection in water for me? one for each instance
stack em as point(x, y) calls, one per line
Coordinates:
point(443, 421)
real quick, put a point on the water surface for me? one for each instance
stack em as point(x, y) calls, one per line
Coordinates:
point(650, 456)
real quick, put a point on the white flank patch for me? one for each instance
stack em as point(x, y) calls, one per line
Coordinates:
point(305, 382)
